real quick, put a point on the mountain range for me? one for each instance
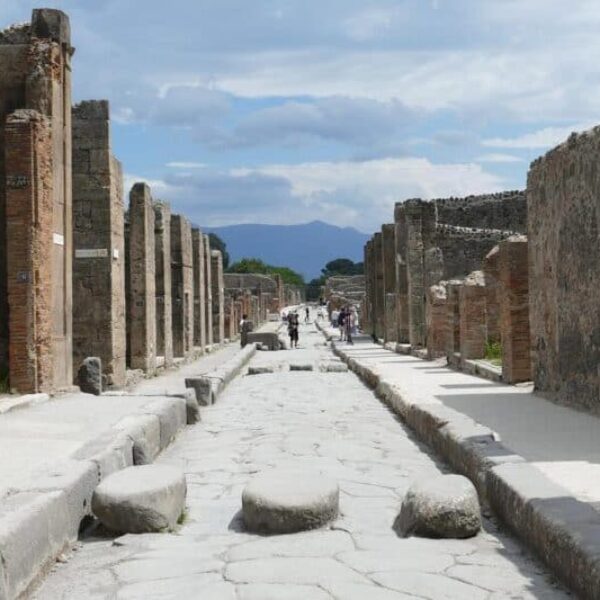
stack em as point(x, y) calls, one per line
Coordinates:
point(305, 248)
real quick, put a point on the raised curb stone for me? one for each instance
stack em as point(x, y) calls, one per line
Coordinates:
point(446, 506)
point(142, 499)
point(281, 501)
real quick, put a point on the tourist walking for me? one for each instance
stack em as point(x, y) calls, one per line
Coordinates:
point(341, 323)
point(349, 324)
point(293, 324)
point(307, 314)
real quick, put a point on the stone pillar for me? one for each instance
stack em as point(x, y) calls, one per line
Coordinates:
point(367, 316)
point(218, 300)
point(388, 234)
point(471, 297)
point(436, 314)
point(208, 295)
point(199, 289)
point(492, 295)
point(182, 286)
point(141, 324)
point(379, 293)
point(514, 310)
point(99, 242)
point(35, 73)
point(453, 331)
point(401, 273)
point(420, 220)
point(164, 300)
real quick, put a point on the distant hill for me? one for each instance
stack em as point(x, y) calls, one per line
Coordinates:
point(305, 248)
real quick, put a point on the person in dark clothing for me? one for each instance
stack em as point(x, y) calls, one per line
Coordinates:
point(293, 324)
point(307, 311)
point(245, 329)
point(342, 323)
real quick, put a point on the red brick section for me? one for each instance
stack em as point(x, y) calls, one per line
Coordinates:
point(492, 294)
point(471, 297)
point(29, 229)
point(514, 310)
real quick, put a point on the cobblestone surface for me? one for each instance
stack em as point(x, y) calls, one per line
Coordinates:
point(326, 421)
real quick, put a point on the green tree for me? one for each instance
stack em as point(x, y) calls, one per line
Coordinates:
point(216, 243)
point(342, 266)
point(256, 265)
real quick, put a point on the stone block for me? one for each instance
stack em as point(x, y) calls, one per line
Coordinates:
point(172, 414)
point(268, 340)
point(111, 451)
point(446, 506)
point(89, 376)
point(144, 499)
point(144, 431)
point(282, 501)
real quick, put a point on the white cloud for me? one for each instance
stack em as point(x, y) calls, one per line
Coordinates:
point(543, 138)
point(186, 165)
point(498, 158)
point(369, 24)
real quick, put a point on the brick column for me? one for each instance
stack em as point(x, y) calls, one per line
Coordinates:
point(141, 325)
point(492, 294)
point(182, 286)
point(390, 331)
point(218, 300)
point(99, 242)
point(453, 331)
point(471, 297)
point(514, 310)
point(30, 246)
point(199, 288)
point(208, 295)
point(164, 300)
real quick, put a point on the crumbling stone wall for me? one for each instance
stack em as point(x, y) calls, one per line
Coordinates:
point(436, 317)
point(379, 293)
point(98, 238)
point(400, 248)
point(492, 294)
point(472, 327)
point(388, 247)
point(163, 282)
point(199, 264)
point(35, 73)
point(182, 286)
point(141, 291)
point(563, 194)
point(504, 210)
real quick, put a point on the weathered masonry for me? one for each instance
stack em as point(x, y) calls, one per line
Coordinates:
point(141, 290)
point(563, 193)
point(35, 203)
point(208, 309)
point(218, 297)
point(162, 253)
point(98, 239)
point(182, 286)
point(199, 264)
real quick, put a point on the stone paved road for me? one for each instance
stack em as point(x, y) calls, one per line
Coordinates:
point(328, 421)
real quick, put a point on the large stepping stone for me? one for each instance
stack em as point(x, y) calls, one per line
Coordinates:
point(446, 506)
point(282, 501)
point(140, 499)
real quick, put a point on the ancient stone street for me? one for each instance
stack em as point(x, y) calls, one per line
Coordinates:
point(323, 420)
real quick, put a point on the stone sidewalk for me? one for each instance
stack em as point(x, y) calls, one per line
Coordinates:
point(40, 434)
point(537, 463)
point(326, 421)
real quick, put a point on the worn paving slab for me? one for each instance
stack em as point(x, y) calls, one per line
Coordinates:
point(325, 421)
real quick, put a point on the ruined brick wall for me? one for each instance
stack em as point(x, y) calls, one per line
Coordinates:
point(98, 239)
point(141, 291)
point(492, 294)
point(505, 210)
point(29, 227)
point(513, 274)
point(563, 195)
point(182, 286)
point(436, 317)
point(164, 300)
point(199, 289)
point(254, 281)
point(400, 237)
point(472, 328)
point(378, 291)
point(388, 247)
point(35, 73)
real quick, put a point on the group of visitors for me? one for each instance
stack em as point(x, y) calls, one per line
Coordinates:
point(346, 320)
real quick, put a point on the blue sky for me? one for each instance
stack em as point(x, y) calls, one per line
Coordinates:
point(286, 111)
